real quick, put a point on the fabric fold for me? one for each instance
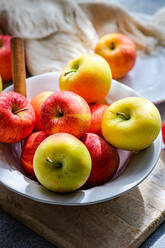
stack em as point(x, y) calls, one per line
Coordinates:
point(55, 31)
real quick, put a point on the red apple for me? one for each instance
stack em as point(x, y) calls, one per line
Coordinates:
point(28, 150)
point(5, 58)
point(17, 117)
point(97, 112)
point(37, 103)
point(119, 51)
point(163, 131)
point(65, 111)
point(105, 159)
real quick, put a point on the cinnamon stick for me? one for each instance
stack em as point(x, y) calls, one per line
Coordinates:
point(18, 65)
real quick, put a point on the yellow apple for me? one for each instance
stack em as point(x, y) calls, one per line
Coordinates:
point(132, 123)
point(62, 163)
point(89, 76)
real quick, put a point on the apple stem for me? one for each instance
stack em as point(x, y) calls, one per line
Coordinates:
point(112, 45)
point(66, 73)
point(1, 43)
point(59, 112)
point(58, 165)
point(19, 110)
point(123, 115)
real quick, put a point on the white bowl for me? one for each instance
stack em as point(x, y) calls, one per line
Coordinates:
point(13, 177)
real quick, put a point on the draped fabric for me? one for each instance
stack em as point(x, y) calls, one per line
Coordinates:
point(55, 31)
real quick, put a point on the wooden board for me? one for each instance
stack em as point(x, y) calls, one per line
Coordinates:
point(124, 222)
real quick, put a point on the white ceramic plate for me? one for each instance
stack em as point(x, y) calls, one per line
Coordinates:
point(148, 75)
point(14, 178)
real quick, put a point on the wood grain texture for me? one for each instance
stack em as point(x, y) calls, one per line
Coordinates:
point(18, 65)
point(123, 222)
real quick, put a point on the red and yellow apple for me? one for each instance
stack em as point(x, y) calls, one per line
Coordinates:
point(105, 159)
point(17, 117)
point(131, 123)
point(89, 76)
point(65, 111)
point(5, 58)
point(62, 163)
point(97, 112)
point(37, 103)
point(119, 51)
point(28, 150)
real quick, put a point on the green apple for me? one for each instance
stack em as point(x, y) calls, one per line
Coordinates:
point(132, 123)
point(0, 84)
point(62, 163)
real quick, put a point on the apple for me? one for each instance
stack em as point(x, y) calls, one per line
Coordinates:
point(97, 112)
point(65, 111)
point(1, 84)
point(62, 163)
point(89, 76)
point(17, 117)
point(5, 58)
point(37, 103)
point(131, 123)
point(28, 150)
point(163, 131)
point(105, 159)
point(119, 51)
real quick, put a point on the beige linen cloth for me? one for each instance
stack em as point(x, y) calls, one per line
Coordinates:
point(57, 30)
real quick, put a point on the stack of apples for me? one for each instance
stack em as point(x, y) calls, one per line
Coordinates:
point(76, 136)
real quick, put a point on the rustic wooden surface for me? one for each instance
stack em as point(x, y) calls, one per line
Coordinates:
point(124, 222)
